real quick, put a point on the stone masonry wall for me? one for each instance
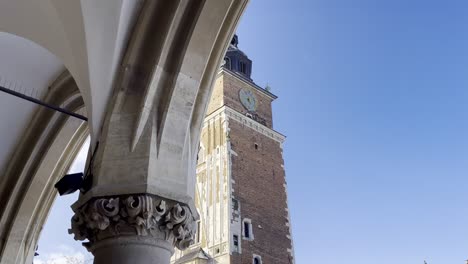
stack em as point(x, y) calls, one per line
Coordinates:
point(259, 181)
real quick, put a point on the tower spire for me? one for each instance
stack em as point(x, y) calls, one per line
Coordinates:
point(237, 61)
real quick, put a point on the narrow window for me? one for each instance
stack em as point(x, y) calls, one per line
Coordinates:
point(242, 67)
point(235, 241)
point(256, 146)
point(246, 230)
point(257, 260)
point(198, 232)
point(235, 204)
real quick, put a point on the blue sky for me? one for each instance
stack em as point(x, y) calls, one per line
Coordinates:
point(55, 245)
point(373, 98)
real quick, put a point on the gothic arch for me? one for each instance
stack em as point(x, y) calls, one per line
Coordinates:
point(145, 99)
point(47, 149)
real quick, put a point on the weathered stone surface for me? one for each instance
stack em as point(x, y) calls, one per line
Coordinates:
point(145, 76)
point(134, 215)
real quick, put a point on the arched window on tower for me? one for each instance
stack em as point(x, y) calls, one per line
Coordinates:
point(243, 67)
point(257, 259)
point(227, 63)
point(247, 232)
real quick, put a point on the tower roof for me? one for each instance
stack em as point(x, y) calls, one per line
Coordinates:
point(237, 61)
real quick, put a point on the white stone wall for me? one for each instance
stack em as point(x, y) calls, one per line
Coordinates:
point(213, 188)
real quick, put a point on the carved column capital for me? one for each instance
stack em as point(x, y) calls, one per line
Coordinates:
point(134, 215)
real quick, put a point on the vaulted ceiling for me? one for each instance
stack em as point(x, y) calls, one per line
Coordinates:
point(41, 39)
point(86, 36)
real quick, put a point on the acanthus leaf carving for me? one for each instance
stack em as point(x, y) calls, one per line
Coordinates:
point(141, 215)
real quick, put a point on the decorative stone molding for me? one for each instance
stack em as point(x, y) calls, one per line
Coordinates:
point(231, 114)
point(134, 215)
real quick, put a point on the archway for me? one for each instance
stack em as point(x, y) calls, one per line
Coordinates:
point(148, 128)
point(48, 143)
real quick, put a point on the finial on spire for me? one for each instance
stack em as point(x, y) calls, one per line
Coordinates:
point(235, 40)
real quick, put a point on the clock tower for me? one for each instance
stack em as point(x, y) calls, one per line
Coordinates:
point(241, 185)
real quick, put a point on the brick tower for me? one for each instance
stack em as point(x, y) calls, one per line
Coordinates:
point(241, 186)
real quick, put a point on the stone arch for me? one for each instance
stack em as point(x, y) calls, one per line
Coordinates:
point(151, 123)
point(89, 37)
point(49, 25)
point(48, 147)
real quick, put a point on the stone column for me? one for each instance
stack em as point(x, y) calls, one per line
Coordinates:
point(140, 204)
point(133, 228)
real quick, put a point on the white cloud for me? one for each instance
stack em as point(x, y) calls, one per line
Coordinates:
point(64, 255)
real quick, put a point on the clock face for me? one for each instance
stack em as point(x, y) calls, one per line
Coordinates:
point(248, 99)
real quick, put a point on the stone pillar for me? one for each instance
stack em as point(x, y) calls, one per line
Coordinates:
point(140, 203)
point(133, 228)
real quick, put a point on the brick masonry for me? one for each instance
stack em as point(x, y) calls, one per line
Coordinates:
point(241, 159)
point(259, 187)
point(259, 179)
